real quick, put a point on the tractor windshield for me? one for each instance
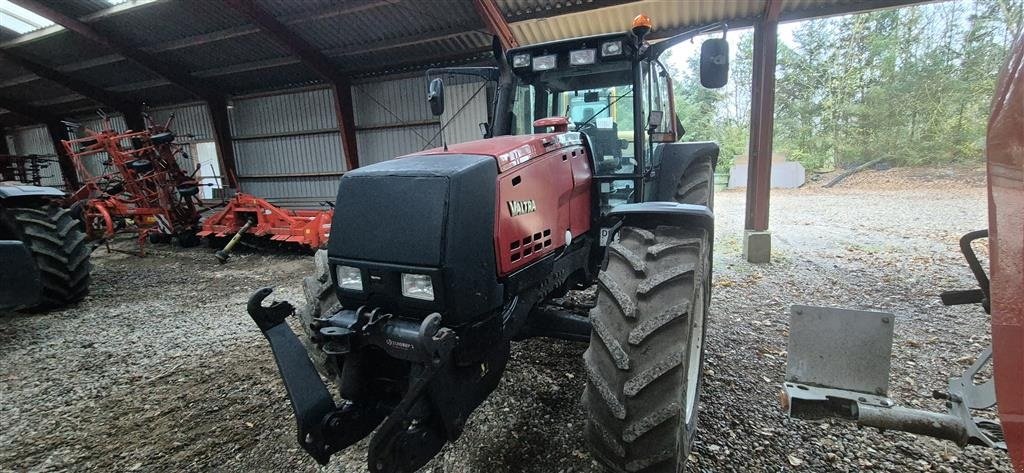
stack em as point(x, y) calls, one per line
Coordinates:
point(605, 114)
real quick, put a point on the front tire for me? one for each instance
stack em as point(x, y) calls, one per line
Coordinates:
point(644, 360)
point(321, 301)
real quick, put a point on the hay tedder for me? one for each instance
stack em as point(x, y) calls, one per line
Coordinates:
point(133, 183)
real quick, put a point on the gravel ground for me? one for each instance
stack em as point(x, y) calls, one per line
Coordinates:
point(160, 368)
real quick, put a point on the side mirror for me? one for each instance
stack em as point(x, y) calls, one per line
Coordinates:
point(484, 130)
point(714, 63)
point(435, 95)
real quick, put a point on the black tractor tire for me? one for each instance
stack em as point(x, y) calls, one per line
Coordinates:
point(644, 363)
point(58, 245)
point(157, 238)
point(645, 359)
point(321, 301)
point(697, 186)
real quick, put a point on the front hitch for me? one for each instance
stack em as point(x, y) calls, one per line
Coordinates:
point(432, 410)
point(310, 400)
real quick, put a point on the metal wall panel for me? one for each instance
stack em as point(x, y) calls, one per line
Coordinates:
point(401, 105)
point(466, 124)
point(301, 154)
point(304, 192)
point(189, 119)
point(32, 140)
point(36, 140)
point(278, 137)
point(283, 113)
point(391, 102)
point(389, 143)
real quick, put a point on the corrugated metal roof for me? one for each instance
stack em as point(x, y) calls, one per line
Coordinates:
point(159, 22)
point(77, 8)
point(666, 15)
point(217, 44)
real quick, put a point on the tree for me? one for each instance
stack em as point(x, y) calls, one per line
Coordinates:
point(909, 85)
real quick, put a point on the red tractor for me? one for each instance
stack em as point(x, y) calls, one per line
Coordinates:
point(437, 260)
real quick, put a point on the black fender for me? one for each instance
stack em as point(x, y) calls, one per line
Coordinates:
point(666, 213)
point(10, 192)
point(672, 159)
point(649, 214)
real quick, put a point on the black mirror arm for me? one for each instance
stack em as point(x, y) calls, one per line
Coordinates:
point(663, 45)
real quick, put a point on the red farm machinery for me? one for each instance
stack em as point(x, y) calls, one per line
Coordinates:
point(246, 213)
point(139, 182)
point(26, 169)
point(133, 182)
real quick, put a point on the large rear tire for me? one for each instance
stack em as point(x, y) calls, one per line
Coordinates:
point(58, 245)
point(697, 186)
point(321, 301)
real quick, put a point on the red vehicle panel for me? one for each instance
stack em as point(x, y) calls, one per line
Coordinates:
point(1006, 239)
point(544, 190)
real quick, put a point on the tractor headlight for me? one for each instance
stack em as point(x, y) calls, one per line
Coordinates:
point(521, 60)
point(417, 286)
point(611, 48)
point(544, 63)
point(582, 57)
point(349, 278)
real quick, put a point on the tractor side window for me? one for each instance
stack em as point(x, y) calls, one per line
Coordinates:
point(660, 100)
point(656, 98)
point(522, 123)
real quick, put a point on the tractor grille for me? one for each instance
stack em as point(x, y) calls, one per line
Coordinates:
point(529, 245)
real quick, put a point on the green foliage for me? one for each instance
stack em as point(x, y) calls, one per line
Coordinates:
point(911, 85)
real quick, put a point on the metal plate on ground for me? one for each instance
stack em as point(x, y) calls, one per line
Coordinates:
point(840, 348)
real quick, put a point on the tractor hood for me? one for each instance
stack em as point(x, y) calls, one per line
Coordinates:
point(510, 151)
point(424, 215)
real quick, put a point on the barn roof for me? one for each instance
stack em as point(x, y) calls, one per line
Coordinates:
point(211, 45)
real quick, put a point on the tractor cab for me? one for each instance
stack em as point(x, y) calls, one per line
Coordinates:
point(611, 88)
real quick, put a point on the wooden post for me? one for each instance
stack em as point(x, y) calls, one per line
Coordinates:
point(757, 242)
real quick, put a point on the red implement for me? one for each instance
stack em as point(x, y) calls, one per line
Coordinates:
point(1006, 229)
point(133, 183)
point(309, 228)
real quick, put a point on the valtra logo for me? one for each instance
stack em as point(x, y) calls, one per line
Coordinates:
point(520, 207)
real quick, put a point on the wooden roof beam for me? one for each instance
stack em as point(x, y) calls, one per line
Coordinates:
point(494, 19)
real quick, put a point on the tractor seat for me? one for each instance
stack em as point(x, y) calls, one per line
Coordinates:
point(604, 143)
